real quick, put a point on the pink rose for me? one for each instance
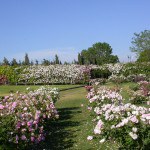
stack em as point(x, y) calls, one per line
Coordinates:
point(1, 106)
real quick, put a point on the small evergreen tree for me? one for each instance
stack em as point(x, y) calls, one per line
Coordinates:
point(5, 61)
point(14, 62)
point(56, 59)
point(26, 60)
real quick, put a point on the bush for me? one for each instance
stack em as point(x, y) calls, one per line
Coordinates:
point(24, 117)
point(126, 124)
point(100, 73)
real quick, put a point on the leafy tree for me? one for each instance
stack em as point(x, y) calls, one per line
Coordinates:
point(5, 61)
point(144, 56)
point(14, 62)
point(140, 42)
point(113, 59)
point(99, 53)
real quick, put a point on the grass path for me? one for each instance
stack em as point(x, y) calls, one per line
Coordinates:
point(70, 131)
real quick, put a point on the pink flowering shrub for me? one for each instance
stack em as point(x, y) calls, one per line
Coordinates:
point(88, 88)
point(127, 124)
point(141, 95)
point(145, 87)
point(23, 116)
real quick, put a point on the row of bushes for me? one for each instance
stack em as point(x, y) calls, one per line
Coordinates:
point(72, 74)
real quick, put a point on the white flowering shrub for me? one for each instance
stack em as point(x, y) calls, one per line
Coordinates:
point(23, 117)
point(55, 74)
point(127, 124)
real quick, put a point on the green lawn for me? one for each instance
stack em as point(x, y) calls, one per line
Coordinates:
point(6, 89)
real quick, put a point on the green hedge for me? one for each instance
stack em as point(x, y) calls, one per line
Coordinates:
point(99, 73)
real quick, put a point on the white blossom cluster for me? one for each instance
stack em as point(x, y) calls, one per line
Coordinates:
point(54, 74)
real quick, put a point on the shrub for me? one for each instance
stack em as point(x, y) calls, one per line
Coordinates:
point(100, 73)
point(24, 116)
point(126, 124)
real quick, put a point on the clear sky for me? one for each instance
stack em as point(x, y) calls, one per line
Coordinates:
point(43, 28)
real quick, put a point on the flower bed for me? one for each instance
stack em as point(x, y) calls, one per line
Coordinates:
point(24, 116)
point(126, 124)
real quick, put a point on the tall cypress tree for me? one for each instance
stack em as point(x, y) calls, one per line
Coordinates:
point(26, 60)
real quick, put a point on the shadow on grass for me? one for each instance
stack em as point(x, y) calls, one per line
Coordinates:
point(61, 133)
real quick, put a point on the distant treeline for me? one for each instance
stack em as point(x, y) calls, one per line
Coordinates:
point(98, 54)
point(26, 61)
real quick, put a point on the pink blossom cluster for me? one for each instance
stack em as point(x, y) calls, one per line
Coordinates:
point(103, 95)
point(145, 87)
point(29, 111)
point(142, 95)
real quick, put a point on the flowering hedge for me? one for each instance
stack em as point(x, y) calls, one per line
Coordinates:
point(127, 124)
point(55, 74)
point(72, 74)
point(23, 116)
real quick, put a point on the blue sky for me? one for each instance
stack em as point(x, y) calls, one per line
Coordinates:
point(43, 28)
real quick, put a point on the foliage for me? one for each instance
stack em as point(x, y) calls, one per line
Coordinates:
point(25, 116)
point(117, 79)
point(11, 73)
point(141, 42)
point(57, 59)
point(144, 56)
point(73, 74)
point(99, 53)
point(14, 62)
point(5, 62)
point(125, 124)
point(55, 74)
point(99, 73)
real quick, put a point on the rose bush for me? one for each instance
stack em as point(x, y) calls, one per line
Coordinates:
point(127, 124)
point(23, 116)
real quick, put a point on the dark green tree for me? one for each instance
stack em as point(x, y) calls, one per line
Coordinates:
point(45, 62)
point(80, 59)
point(36, 62)
point(140, 42)
point(56, 59)
point(98, 54)
point(26, 60)
point(14, 62)
point(5, 61)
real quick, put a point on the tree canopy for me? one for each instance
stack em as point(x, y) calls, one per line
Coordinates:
point(140, 42)
point(98, 54)
point(144, 56)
